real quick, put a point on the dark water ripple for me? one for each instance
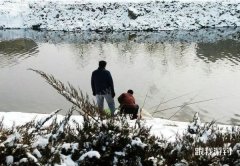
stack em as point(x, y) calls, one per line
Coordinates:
point(220, 51)
point(13, 51)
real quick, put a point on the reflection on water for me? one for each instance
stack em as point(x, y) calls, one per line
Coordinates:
point(210, 35)
point(156, 64)
point(11, 52)
point(221, 50)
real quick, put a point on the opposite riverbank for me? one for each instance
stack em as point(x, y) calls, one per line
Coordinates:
point(116, 15)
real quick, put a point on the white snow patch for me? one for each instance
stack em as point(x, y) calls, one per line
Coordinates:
point(9, 160)
point(66, 161)
point(11, 139)
point(37, 153)
point(41, 141)
point(90, 154)
point(205, 136)
point(74, 146)
point(120, 153)
point(23, 160)
point(195, 125)
point(66, 146)
point(31, 157)
point(137, 141)
point(21, 118)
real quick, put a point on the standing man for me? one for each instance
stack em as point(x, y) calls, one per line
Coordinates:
point(102, 87)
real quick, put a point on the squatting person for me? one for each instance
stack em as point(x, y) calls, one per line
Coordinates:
point(127, 104)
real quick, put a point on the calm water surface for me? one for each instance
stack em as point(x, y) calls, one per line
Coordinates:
point(161, 66)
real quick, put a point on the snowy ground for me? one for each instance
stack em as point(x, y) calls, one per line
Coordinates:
point(118, 15)
point(160, 127)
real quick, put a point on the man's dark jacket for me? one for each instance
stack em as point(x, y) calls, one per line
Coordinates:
point(102, 82)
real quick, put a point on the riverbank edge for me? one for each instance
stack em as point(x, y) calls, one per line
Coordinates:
point(160, 127)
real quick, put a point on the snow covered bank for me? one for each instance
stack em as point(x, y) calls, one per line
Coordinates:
point(107, 143)
point(118, 15)
point(160, 127)
point(19, 118)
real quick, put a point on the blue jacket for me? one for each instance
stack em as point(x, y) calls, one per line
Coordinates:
point(102, 82)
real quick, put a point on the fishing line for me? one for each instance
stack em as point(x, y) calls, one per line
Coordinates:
point(184, 105)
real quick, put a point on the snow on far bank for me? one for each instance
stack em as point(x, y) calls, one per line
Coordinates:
point(119, 1)
point(118, 15)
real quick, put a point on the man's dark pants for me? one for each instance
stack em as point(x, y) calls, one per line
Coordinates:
point(130, 110)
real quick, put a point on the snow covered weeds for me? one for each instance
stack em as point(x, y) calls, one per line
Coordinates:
point(89, 143)
point(101, 140)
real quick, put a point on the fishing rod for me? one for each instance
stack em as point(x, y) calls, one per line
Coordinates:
point(145, 100)
point(184, 105)
point(158, 106)
point(170, 100)
point(167, 102)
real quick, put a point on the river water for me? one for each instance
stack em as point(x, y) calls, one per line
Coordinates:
point(190, 66)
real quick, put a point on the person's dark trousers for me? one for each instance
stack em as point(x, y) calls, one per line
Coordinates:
point(130, 110)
